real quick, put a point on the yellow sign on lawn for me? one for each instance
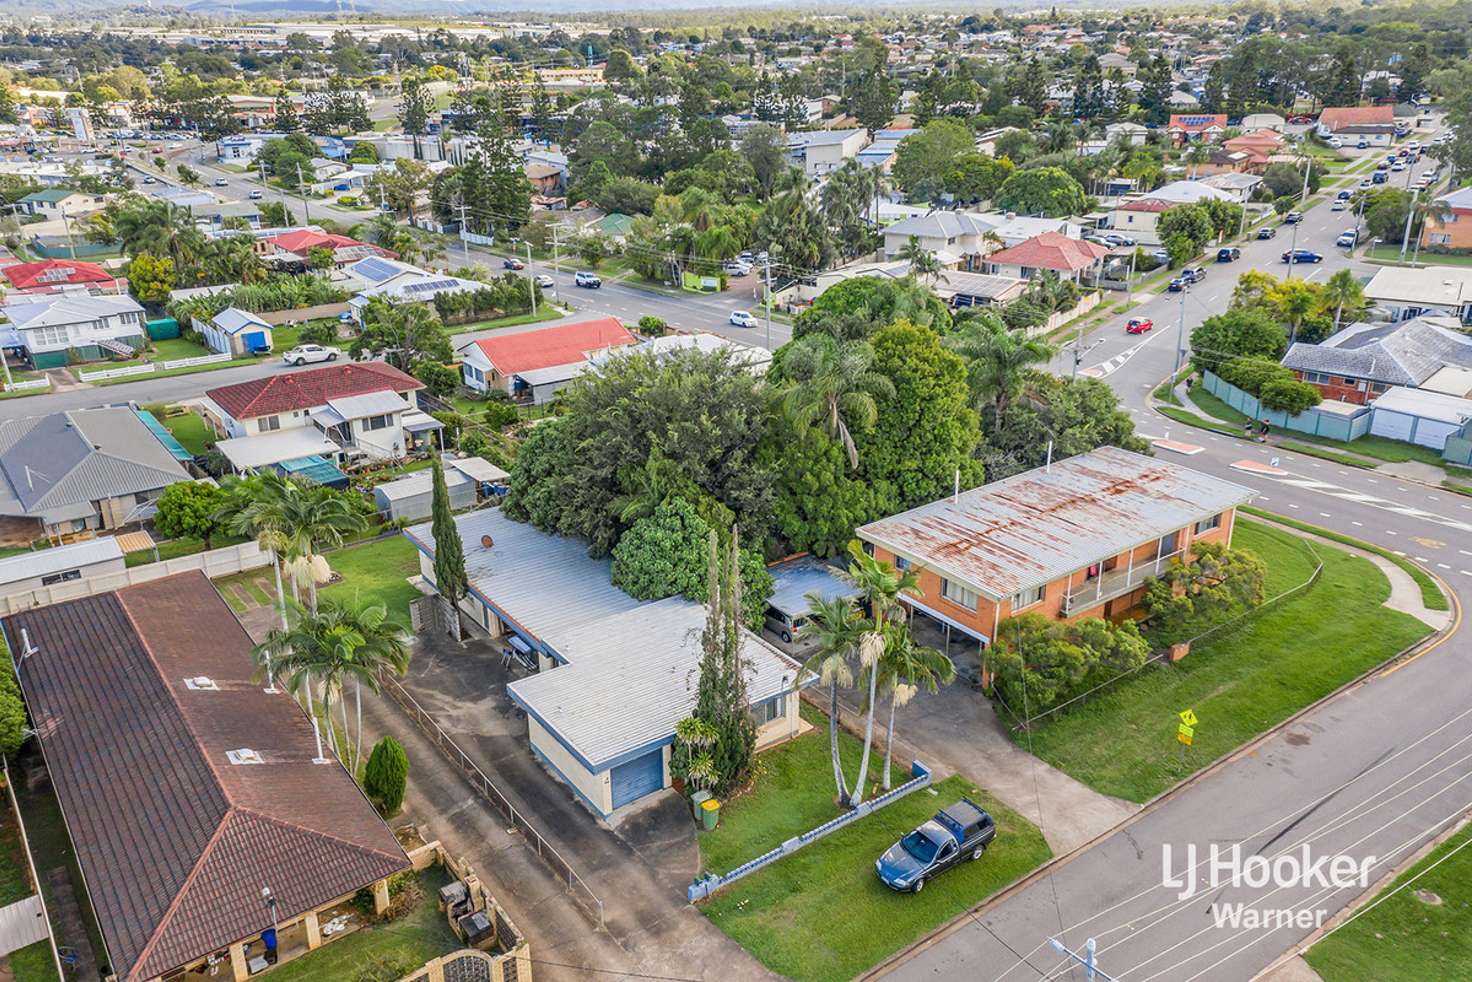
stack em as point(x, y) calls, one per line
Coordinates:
point(1185, 734)
point(1188, 717)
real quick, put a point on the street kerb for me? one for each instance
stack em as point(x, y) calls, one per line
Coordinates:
point(1412, 651)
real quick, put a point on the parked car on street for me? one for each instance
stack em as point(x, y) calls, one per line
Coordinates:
point(586, 280)
point(1347, 238)
point(742, 318)
point(1296, 256)
point(1138, 325)
point(149, 179)
point(957, 832)
point(304, 353)
point(1339, 205)
point(1379, 177)
point(220, 182)
point(1228, 254)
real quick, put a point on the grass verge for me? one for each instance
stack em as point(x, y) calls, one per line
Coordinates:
point(1313, 450)
point(1431, 594)
point(1191, 419)
point(1240, 682)
point(783, 914)
point(1419, 927)
point(376, 571)
point(1215, 407)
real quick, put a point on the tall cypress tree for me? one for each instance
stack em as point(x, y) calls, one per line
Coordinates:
point(721, 698)
point(449, 551)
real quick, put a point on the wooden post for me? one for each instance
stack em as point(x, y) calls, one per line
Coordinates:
point(380, 897)
point(237, 962)
point(314, 931)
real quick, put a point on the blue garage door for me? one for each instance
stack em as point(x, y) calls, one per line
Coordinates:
point(640, 776)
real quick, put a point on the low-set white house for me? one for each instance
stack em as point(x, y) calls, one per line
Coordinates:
point(613, 675)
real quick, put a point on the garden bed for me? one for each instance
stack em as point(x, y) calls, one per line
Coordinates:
point(821, 913)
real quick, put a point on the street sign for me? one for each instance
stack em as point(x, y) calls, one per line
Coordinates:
point(1185, 734)
point(1188, 717)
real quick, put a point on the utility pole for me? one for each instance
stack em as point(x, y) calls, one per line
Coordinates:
point(531, 283)
point(302, 188)
point(66, 223)
point(769, 301)
point(1181, 334)
point(1405, 238)
point(556, 260)
point(1293, 241)
point(462, 208)
point(1091, 968)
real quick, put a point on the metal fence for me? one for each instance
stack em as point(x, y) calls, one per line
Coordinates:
point(709, 884)
point(1314, 422)
point(483, 786)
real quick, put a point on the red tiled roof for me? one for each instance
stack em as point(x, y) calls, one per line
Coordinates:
point(1147, 204)
point(309, 389)
point(176, 841)
point(1051, 250)
point(1197, 122)
point(1336, 116)
point(301, 240)
point(564, 344)
point(52, 272)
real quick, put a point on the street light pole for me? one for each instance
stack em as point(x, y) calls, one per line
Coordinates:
point(1087, 959)
point(531, 284)
point(302, 189)
point(1180, 334)
point(769, 301)
point(1405, 238)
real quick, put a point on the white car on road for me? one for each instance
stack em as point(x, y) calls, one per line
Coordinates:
point(304, 353)
point(743, 318)
point(544, 281)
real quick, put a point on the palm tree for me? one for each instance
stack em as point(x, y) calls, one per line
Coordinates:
point(904, 668)
point(161, 229)
point(317, 516)
point(999, 361)
point(834, 381)
point(879, 585)
point(1196, 155)
point(1343, 290)
point(924, 264)
point(836, 627)
point(1295, 300)
point(337, 643)
point(251, 508)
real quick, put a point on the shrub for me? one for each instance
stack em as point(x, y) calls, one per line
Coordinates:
point(386, 775)
point(1289, 395)
point(319, 332)
point(1193, 597)
point(1040, 663)
point(500, 415)
point(1250, 373)
point(652, 327)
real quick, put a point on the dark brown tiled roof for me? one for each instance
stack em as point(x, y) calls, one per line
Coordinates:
point(176, 842)
point(310, 389)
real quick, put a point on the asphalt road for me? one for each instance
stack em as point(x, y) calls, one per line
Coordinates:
point(1372, 775)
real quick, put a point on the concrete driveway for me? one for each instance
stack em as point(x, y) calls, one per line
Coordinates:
point(639, 870)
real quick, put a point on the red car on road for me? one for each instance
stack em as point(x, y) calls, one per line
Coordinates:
point(1138, 325)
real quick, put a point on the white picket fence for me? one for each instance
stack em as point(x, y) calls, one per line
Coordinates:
point(214, 359)
point(35, 383)
point(215, 563)
point(107, 373)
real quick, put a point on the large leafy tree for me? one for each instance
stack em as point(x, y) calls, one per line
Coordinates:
point(415, 105)
point(189, 508)
point(834, 384)
point(1048, 191)
point(403, 334)
point(853, 309)
point(1073, 415)
point(818, 500)
point(703, 412)
point(925, 432)
point(1244, 330)
point(925, 158)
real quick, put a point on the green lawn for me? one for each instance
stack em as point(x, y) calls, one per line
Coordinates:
point(381, 950)
point(33, 963)
point(821, 914)
point(1239, 682)
point(377, 571)
point(545, 312)
point(189, 430)
point(1214, 406)
point(1423, 931)
point(174, 548)
point(15, 874)
point(1386, 253)
point(171, 348)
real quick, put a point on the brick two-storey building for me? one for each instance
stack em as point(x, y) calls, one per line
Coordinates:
point(1076, 539)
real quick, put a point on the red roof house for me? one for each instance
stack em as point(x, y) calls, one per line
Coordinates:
point(300, 391)
point(56, 275)
point(548, 357)
point(1197, 126)
point(1350, 119)
point(345, 250)
point(1052, 251)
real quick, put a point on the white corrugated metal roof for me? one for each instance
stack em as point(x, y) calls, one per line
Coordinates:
point(368, 404)
point(631, 677)
point(40, 562)
point(272, 448)
point(793, 580)
point(1425, 404)
point(1033, 527)
point(419, 482)
point(547, 584)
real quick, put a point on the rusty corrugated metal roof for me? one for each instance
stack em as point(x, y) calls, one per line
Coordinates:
point(1034, 527)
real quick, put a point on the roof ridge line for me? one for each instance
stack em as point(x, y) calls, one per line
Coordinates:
point(330, 836)
point(146, 951)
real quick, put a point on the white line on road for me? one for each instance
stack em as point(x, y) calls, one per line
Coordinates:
point(1323, 514)
point(1360, 524)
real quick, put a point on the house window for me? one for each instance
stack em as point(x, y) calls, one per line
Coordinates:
point(769, 709)
point(67, 577)
point(1167, 544)
point(1207, 524)
point(1350, 381)
point(901, 563)
point(1026, 598)
point(377, 423)
point(267, 424)
point(51, 335)
point(958, 594)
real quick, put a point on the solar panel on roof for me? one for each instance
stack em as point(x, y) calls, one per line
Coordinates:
point(375, 269)
point(429, 287)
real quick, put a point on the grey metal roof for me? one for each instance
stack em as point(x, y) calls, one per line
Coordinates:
point(632, 676)
point(40, 562)
point(68, 309)
point(55, 464)
point(368, 404)
point(941, 224)
point(1033, 527)
point(818, 138)
point(419, 482)
point(232, 320)
point(547, 584)
point(796, 578)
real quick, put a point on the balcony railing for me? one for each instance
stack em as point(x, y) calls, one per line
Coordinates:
point(1116, 582)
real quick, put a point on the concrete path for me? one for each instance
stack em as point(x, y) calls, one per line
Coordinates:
point(1293, 970)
